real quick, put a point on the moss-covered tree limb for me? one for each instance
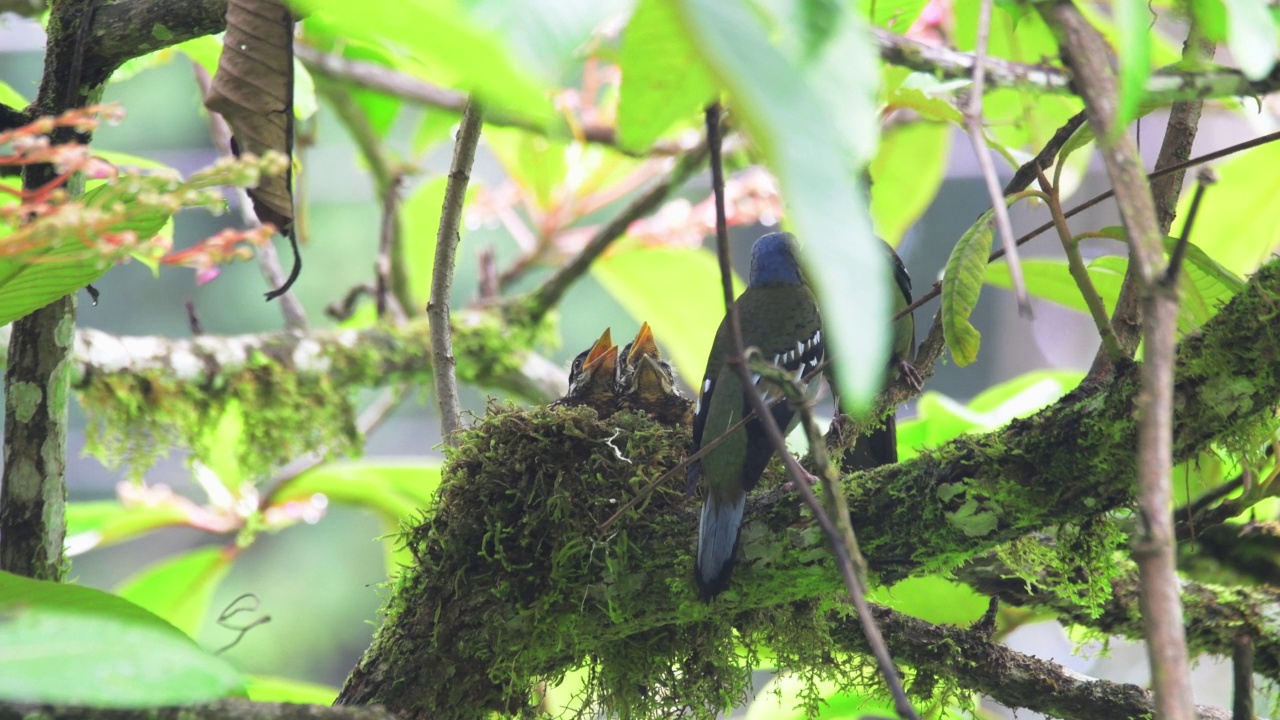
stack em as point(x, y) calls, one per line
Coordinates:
point(512, 584)
point(1013, 679)
point(1215, 615)
point(225, 710)
point(148, 394)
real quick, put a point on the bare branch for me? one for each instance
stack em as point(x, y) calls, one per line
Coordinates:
point(224, 710)
point(455, 193)
point(1085, 52)
point(973, 121)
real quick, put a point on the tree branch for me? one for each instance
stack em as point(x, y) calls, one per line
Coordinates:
point(513, 549)
point(1011, 678)
point(1215, 615)
point(1164, 86)
point(1085, 52)
point(225, 710)
point(371, 357)
point(447, 239)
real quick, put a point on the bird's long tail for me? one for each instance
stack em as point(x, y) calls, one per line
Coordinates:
point(717, 541)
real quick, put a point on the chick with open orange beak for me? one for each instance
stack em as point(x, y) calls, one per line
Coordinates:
point(592, 377)
point(647, 382)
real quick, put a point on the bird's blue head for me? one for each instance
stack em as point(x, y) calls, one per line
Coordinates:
point(774, 260)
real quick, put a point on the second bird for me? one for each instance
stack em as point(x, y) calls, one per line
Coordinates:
point(778, 315)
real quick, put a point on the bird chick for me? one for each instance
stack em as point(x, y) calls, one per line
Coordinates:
point(592, 378)
point(647, 382)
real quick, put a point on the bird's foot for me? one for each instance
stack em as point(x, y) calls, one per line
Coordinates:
point(808, 477)
point(911, 375)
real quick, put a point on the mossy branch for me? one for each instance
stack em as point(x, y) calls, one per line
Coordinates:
point(145, 394)
point(512, 584)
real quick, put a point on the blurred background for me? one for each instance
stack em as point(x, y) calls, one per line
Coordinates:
point(320, 583)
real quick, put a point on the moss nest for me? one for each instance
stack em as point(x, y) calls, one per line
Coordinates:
point(514, 584)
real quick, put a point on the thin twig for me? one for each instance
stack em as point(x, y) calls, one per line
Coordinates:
point(973, 121)
point(455, 192)
point(1175, 148)
point(1204, 179)
point(549, 294)
point(1026, 173)
point(295, 316)
point(998, 253)
point(844, 550)
point(1084, 51)
point(1080, 273)
point(385, 300)
point(193, 317)
point(383, 79)
point(386, 172)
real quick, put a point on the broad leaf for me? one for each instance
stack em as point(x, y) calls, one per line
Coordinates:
point(421, 224)
point(118, 654)
point(107, 522)
point(684, 322)
point(787, 90)
point(906, 174)
point(961, 285)
point(180, 588)
point(1238, 223)
point(395, 490)
point(663, 76)
point(448, 46)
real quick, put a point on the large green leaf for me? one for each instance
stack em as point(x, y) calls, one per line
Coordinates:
point(180, 588)
point(811, 109)
point(934, 599)
point(451, 47)
point(961, 285)
point(72, 645)
point(683, 322)
point(550, 37)
point(663, 76)
point(396, 490)
point(939, 419)
point(421, 217)
point(107, 522)
point(906, 174)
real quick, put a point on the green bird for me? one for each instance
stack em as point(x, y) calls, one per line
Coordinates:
point(779, 316)
point(647, 382)
point(880, 446)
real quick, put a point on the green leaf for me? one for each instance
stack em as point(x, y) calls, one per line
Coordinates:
point(812, 113)
point(107, 522)
point(1238, 223)
point(961, 284)
point(269, 688)
point(538, 165)
point(1051, 280)
point(395, 490)
point(663, 76)
point(549, 37)
point(1211, 16)
point(449, 47)
point(906, 174)
point(118, 654)
point(684, 323)
point(1133, 21)
point(304, 92)
point(11, 97)
point(1251, 36)
point(939, 419)
point(180, 588)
